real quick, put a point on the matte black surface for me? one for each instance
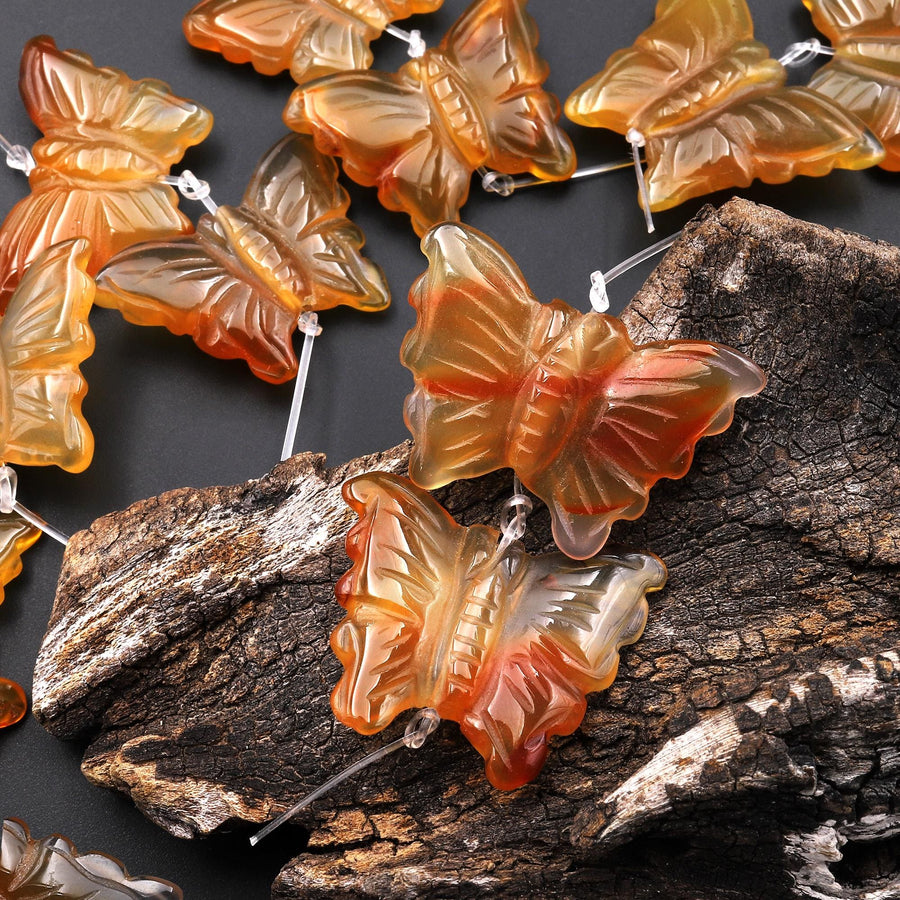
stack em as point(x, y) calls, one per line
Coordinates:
point(165, 415)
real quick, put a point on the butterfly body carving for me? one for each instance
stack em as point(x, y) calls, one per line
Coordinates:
point(864, 75)
point(418, 135)
point(239, 284)
point(508, 648)
point(713, 107)
point(588, 421)
point(107, 139)
point(312, 38)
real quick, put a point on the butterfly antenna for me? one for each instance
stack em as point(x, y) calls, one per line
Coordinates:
point(420, 727)
point(599, 280)
point(8, 504)
point(17, 156)
point(308, 323)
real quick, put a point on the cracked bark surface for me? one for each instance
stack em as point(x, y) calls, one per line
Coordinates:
point(749, 746)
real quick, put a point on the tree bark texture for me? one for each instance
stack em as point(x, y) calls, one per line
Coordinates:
point(749, 746)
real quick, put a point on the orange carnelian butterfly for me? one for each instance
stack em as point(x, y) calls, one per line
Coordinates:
point(508, 646)
point(588, 421)
point(864, 75)
point(107, 139)
point(309, 37)
point(240, 283)
point(713, 108)
point(418, 135)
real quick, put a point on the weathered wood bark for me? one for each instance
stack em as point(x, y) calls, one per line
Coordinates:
point(750, 745)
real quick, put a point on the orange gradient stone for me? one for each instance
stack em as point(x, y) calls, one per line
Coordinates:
point(418, 135)
point(107, 139)
point(13, 704)
point(16, 536)
point(310, 37)
point(864, 75)
point(238, 285)
point(44, 336)
point(713, 108)
point(508, 646)
point(588, 421)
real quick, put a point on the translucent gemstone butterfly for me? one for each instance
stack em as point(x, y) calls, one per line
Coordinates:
point(44, 336)
point(16, 536)
point(864, 76)
point(310, 37)
point(107, 139)
point(713, 108)
point(32, 869)
point(506, 646)
point(13, 704)
point(418, 135)
point(588, 421)
point(239, 284)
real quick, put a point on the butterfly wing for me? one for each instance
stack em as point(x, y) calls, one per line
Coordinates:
point(107, 139)
point(44, 336)
point(402, 594)
point(683, 55)
point(864, 76)
point(775, 137)
point(16, 536)
point(239, 285)
point(389, 137)
point(493, 45)
point(560, 641)
point(628, 417)
point(474, 344)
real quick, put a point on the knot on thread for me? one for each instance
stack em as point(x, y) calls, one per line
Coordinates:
point(417, 45)
point(423, 724)
point(308, 323)
point(635, 138)
point(599, 295)
point(802, 52)
point(8, 485)
point(498, 183)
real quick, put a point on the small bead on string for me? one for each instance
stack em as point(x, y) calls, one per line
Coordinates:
point(599, 280)
point(9, 504)
point(417, 45)
point(17, 156)
point(308, 323)
point(420, 727)
point(192, 188)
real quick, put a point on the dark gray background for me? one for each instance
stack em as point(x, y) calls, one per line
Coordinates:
point(166, 416)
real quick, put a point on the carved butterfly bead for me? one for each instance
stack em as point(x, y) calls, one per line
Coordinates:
point(238, 285)
point(107, 139)
point(310, 37)
point(16, 536)
point(13, 704)
point(51, 868)
point(864, 76)
point(508, 647)
point(418, 135)
point(588, 421)
point(713, 108)
point(44, 336)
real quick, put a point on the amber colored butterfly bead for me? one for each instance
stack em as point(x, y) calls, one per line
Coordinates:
point(506, 645)
point(864, 76)
point(310, 37)
point(13, 704)
point(589, 421)
point(418, 135)
point(238, 285)
point(16, 536)
point(44, 336)
point(713, 109)
point(107, 140)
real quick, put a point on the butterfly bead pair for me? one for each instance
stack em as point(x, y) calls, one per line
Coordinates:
point(506, 644)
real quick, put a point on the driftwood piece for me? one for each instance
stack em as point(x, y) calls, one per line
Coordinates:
point(750, 745)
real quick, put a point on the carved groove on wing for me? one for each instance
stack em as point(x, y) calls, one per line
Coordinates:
point(842, 20)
